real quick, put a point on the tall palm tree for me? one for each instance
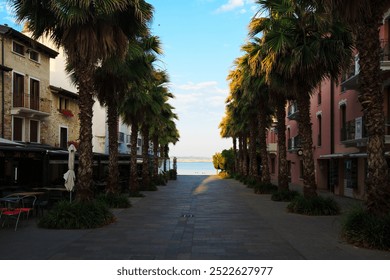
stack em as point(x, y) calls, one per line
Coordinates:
point(89, 32)
point(305, 46)
point(366, 17)
point(112, 79)
point(278, 94)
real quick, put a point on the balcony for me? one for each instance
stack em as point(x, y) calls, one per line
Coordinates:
point(272, 148)
point(121, 137)
point(292, 111)
point(128, 140)
point(294, 143)
point(385, 55)
point(350, 80)
point(353, 133)
point(24, 105)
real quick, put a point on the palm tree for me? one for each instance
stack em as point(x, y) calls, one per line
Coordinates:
point(89, 32)
point(112, 79)
point(366, 17)
point(278, 94)
point(305, 46)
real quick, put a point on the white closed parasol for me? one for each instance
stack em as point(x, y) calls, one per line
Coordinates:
point(70, 176)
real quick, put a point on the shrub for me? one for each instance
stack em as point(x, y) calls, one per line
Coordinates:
point(114, 200)
point(264, 188)
point(315, 206)
point(77, 215)
point(172, 174)
point(136, 194)
point(363, 229)
point(284, 195)
point(224, 175)
point(160, 180)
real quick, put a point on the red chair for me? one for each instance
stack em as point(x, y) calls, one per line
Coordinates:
point(15, 206)
point(10, 209)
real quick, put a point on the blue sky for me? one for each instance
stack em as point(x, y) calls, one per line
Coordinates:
point(201, 39)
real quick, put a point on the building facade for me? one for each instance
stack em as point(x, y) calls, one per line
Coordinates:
point(339, 136)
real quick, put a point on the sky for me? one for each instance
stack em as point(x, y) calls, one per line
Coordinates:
point(200, 39)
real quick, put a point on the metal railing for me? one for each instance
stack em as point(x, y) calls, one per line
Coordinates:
point(385, 50)
point(348, 131)
point(26, 101)
point(294, 143)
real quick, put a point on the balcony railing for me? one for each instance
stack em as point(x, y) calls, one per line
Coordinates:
point(385, 50)
point(24, 104)
point(353, 130)
point(292, 111)
point(121, 137)
point(25, 101)
point(294, 143)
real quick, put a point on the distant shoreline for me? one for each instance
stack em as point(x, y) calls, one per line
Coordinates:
point(194, 159)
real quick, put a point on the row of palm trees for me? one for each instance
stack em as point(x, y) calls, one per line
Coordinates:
point(292, 49)
point(110, 53)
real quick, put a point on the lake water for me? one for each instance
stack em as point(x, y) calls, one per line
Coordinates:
point(195, 168)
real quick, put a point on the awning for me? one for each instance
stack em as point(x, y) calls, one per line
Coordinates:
point(329, 156)
point(9, 142)
point(358, 155)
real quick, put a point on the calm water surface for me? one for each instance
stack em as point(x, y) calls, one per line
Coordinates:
point(195, 168)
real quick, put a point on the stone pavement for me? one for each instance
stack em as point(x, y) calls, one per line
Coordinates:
point(195, 217)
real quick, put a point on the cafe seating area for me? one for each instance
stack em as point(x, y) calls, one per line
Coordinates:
point(19, 204)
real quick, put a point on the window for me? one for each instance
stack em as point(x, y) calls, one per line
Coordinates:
point(139, 142)
point(63, 103)
point(34, 94)
point(34, 131)
point(18, 90)
point(63, 137)
point(319, 140)
point(17, 129)
point(18, 48)
point(34, 55)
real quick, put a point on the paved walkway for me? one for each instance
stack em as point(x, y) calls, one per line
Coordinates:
point(195, 217)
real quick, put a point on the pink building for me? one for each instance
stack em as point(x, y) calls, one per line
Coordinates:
point(339, 138)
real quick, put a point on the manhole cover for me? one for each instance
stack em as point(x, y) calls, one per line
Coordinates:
point(188, 215)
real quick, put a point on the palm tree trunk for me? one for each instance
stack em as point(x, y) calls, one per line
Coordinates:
point(305, 131)
point(245, 157)
point(166, 155)
point(84, 72)
point(145, 157)
point(155, 156)
point(262, 117)
point(240, 157)
point(252, 148)
point(113, 172)
point(133, 180)
point(371, 99)
point(282, 152)
point(235, 155)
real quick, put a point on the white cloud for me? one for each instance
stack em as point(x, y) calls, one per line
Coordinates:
point(230, 5)
point(196, 86)
point(241, 6)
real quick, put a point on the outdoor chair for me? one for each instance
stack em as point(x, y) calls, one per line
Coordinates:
point(10, 209)
point(14, 206)
point(42, 202)
point(28, 204)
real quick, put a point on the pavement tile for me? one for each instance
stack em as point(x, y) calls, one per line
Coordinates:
point(223, 220)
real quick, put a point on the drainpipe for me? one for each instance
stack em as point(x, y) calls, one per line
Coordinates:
point(332, 161)
point(2, 88)
point(332, 116)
